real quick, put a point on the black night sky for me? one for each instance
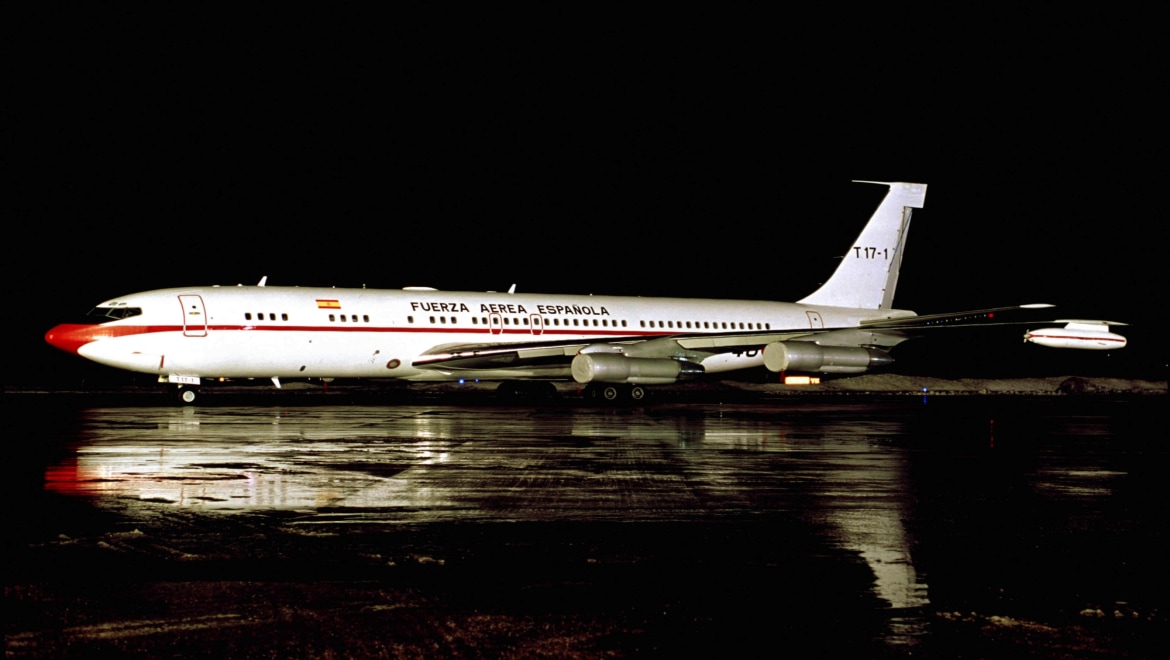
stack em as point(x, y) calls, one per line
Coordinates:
point(580, 154)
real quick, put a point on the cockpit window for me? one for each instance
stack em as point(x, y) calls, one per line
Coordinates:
point(103, 314)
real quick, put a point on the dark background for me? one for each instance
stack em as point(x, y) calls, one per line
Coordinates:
point(588, 151)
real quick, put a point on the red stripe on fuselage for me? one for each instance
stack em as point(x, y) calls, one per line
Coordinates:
point(70, 336)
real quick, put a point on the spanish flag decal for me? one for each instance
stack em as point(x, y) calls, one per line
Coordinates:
point(328, 304)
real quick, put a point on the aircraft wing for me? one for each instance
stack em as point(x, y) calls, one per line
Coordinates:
point(503, 355)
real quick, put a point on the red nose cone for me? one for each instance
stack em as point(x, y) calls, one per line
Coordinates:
point(70, 336)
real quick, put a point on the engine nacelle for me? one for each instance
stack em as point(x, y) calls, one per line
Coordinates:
point(807, 356)
point(1086, 335)
point(616, 368)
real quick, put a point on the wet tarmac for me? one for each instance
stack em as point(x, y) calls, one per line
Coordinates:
point(961, 527)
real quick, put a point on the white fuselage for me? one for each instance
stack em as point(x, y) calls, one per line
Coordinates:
point(295, 332)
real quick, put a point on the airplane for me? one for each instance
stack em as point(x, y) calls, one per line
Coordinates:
point(614, 346)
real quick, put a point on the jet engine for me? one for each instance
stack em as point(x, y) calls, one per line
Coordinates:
point(617, 368)
point(1090, 335)
point(807, 356)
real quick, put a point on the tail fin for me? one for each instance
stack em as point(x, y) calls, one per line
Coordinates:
point(868, 273)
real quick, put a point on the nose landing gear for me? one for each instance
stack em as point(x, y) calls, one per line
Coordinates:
point(187, 395)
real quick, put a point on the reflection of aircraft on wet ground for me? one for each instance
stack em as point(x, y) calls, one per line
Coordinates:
point(614, 345)
point(339, 464)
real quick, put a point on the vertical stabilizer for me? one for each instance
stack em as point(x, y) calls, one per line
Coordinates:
point(868, 273)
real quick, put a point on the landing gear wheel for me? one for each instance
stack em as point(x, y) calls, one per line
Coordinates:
point(615, 393)
point(187, 395)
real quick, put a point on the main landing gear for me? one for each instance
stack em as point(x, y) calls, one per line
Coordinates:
point(609, 393)
point(613, 393)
